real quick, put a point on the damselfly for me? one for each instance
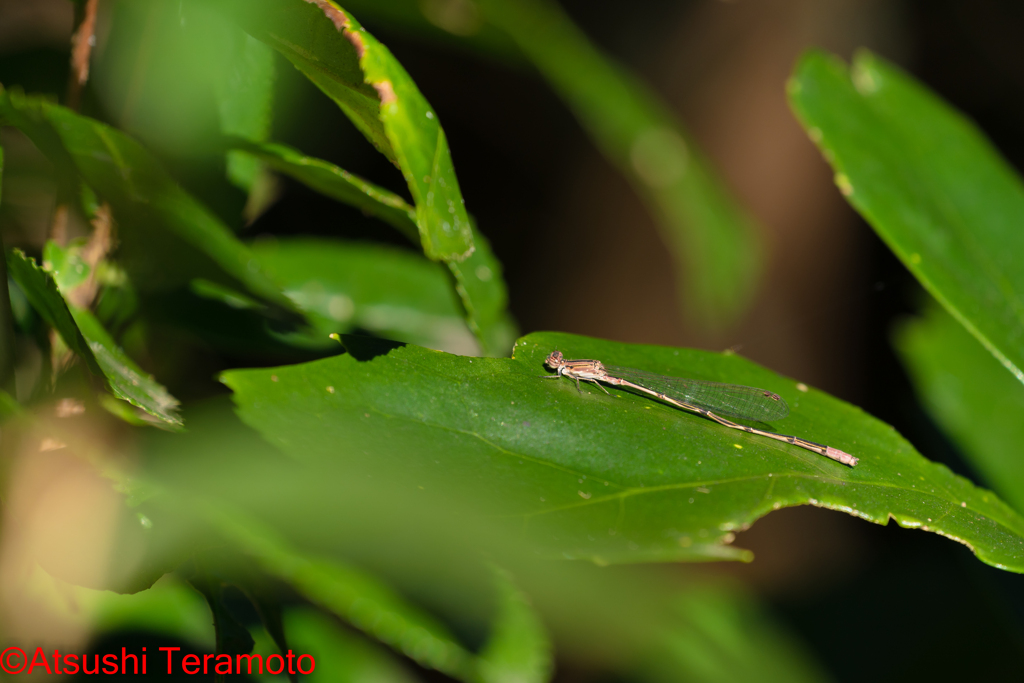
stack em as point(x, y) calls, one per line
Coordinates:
point(708, 399)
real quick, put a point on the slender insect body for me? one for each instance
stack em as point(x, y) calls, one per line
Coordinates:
point(746, 403)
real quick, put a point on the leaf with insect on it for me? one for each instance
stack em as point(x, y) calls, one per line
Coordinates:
point(612, 478)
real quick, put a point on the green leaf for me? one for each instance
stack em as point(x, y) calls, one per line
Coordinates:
point(931, 185)
point(170, 607)
point(299, 32)
point(127, 380)
point(455, 25)
point(481, 286)
point(167, 237)
point(228, 297)
point(245, 98)
point(9, 406)
point(232, 637)
point(44, 296)
point(970, 395)
point(341, 657)
point(478, 279)
point(422, 149)
point(343, 286)
point(377, 94)
point(293, 518)
point(613, 478)
point(339, 184)
point(329, 40)
point(711, 238)
point(268, 605)
point(85, 336)
point(66, 265)
point(722, 635)
point(519, 649)
point(356, 596)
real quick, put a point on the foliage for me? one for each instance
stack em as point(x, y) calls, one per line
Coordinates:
point(393, 458)
point(931, 185)
point(946, 203)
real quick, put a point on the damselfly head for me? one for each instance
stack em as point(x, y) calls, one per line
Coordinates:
point(555, 360)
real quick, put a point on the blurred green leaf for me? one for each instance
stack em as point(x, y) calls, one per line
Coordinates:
point(9, 406)
point(245, 99)
point(341, 656)
point(85, 336)
point(42, 293)
point(393, 293)
point(613, 478)
point(970, 395)
point(722, 636)
point(268, 604)
point(356, 596)
point(232, 637)
point(220, 485)
point(163, 73)
point(931, 185)
point(376, 93)
point(228, 297)
point(339, 184)
point(127, 380)
point(66, 265)
point(269, 608)
point(478, 279)
point(117, 302)
point(167, 237)
point(519, 650)
point(170, 607)
point(712, 240)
